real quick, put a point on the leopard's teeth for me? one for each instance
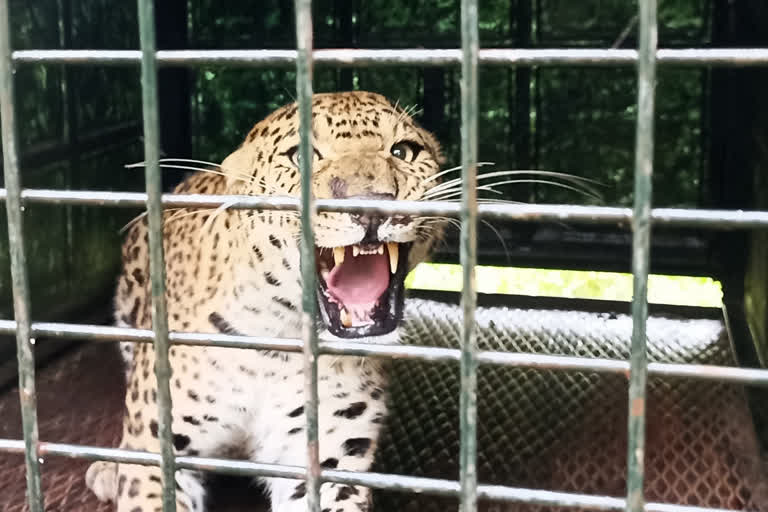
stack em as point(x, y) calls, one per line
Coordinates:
point(346, 321)
point(394, 256)
point(338, 255)
point(367, 250)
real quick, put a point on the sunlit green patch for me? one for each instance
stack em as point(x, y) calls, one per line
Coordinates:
point(681, 290)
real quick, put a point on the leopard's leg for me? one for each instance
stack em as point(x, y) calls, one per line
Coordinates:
point(351, 410)
point(139, 489)
point(101, 477)
point(205, 419)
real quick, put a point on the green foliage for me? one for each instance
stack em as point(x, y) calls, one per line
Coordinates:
point(575, 120)
point(72, 251)
point(565, 119)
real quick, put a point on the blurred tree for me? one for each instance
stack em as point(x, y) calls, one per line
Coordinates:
point(577, 120)
point(78, 126)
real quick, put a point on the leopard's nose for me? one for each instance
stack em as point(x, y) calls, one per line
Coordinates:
point(371, 221)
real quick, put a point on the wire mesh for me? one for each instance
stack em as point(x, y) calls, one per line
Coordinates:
point(469, 57)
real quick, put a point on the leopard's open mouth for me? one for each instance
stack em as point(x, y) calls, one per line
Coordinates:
point(360, 288)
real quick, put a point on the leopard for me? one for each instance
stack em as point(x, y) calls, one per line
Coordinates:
point(237, 271)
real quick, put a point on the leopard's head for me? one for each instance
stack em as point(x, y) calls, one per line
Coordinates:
point(364, 147)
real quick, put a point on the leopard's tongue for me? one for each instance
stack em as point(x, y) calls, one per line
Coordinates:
point(360, 280)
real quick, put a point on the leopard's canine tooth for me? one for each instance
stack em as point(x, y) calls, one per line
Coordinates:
point(338, 255)
point(346, 321)
point(394, 256)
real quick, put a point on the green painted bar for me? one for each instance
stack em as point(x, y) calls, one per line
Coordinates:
point(307, 208)
point(156, 260)
point(641, 247)
point(468, 249)
point(21, 299)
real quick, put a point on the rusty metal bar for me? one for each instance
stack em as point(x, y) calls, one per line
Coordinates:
point(156, 259)
point(641, 250)
point(303, 63)
point(19, 279)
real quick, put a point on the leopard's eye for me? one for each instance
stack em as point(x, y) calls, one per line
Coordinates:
point(406, 150)
point(295, 157)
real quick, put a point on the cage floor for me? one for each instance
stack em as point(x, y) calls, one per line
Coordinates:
point(561, 431)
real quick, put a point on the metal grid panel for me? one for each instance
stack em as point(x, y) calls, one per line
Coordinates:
point(469, 57)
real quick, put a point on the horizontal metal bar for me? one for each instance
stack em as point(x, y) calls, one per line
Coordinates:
point(677, 217)
point(726, 374)
point(401, 57)
point(384, 481)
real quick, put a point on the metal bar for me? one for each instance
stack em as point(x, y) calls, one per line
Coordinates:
point(307, 250)
point(722, 57)
point(101, 333)
point(156, 260)
point(671, 217)
point(641, 249)
point(21, 299)
point(470, 43)
point(386, 481)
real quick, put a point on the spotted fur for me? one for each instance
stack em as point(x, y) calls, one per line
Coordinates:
point(237, 272)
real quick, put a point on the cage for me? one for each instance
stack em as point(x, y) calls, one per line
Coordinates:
point(558, 89)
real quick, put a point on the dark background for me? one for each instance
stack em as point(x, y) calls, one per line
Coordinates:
point(79, 126)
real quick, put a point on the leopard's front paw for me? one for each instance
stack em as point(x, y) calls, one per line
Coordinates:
point(101, 478)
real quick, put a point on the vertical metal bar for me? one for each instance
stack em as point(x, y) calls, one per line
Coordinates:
point(468, 399)
point(156, 260)
point(641, 243)
point(308, 301)
point(21, 301)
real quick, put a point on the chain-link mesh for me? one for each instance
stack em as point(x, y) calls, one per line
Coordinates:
point(544, 429)
point(566, 431)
